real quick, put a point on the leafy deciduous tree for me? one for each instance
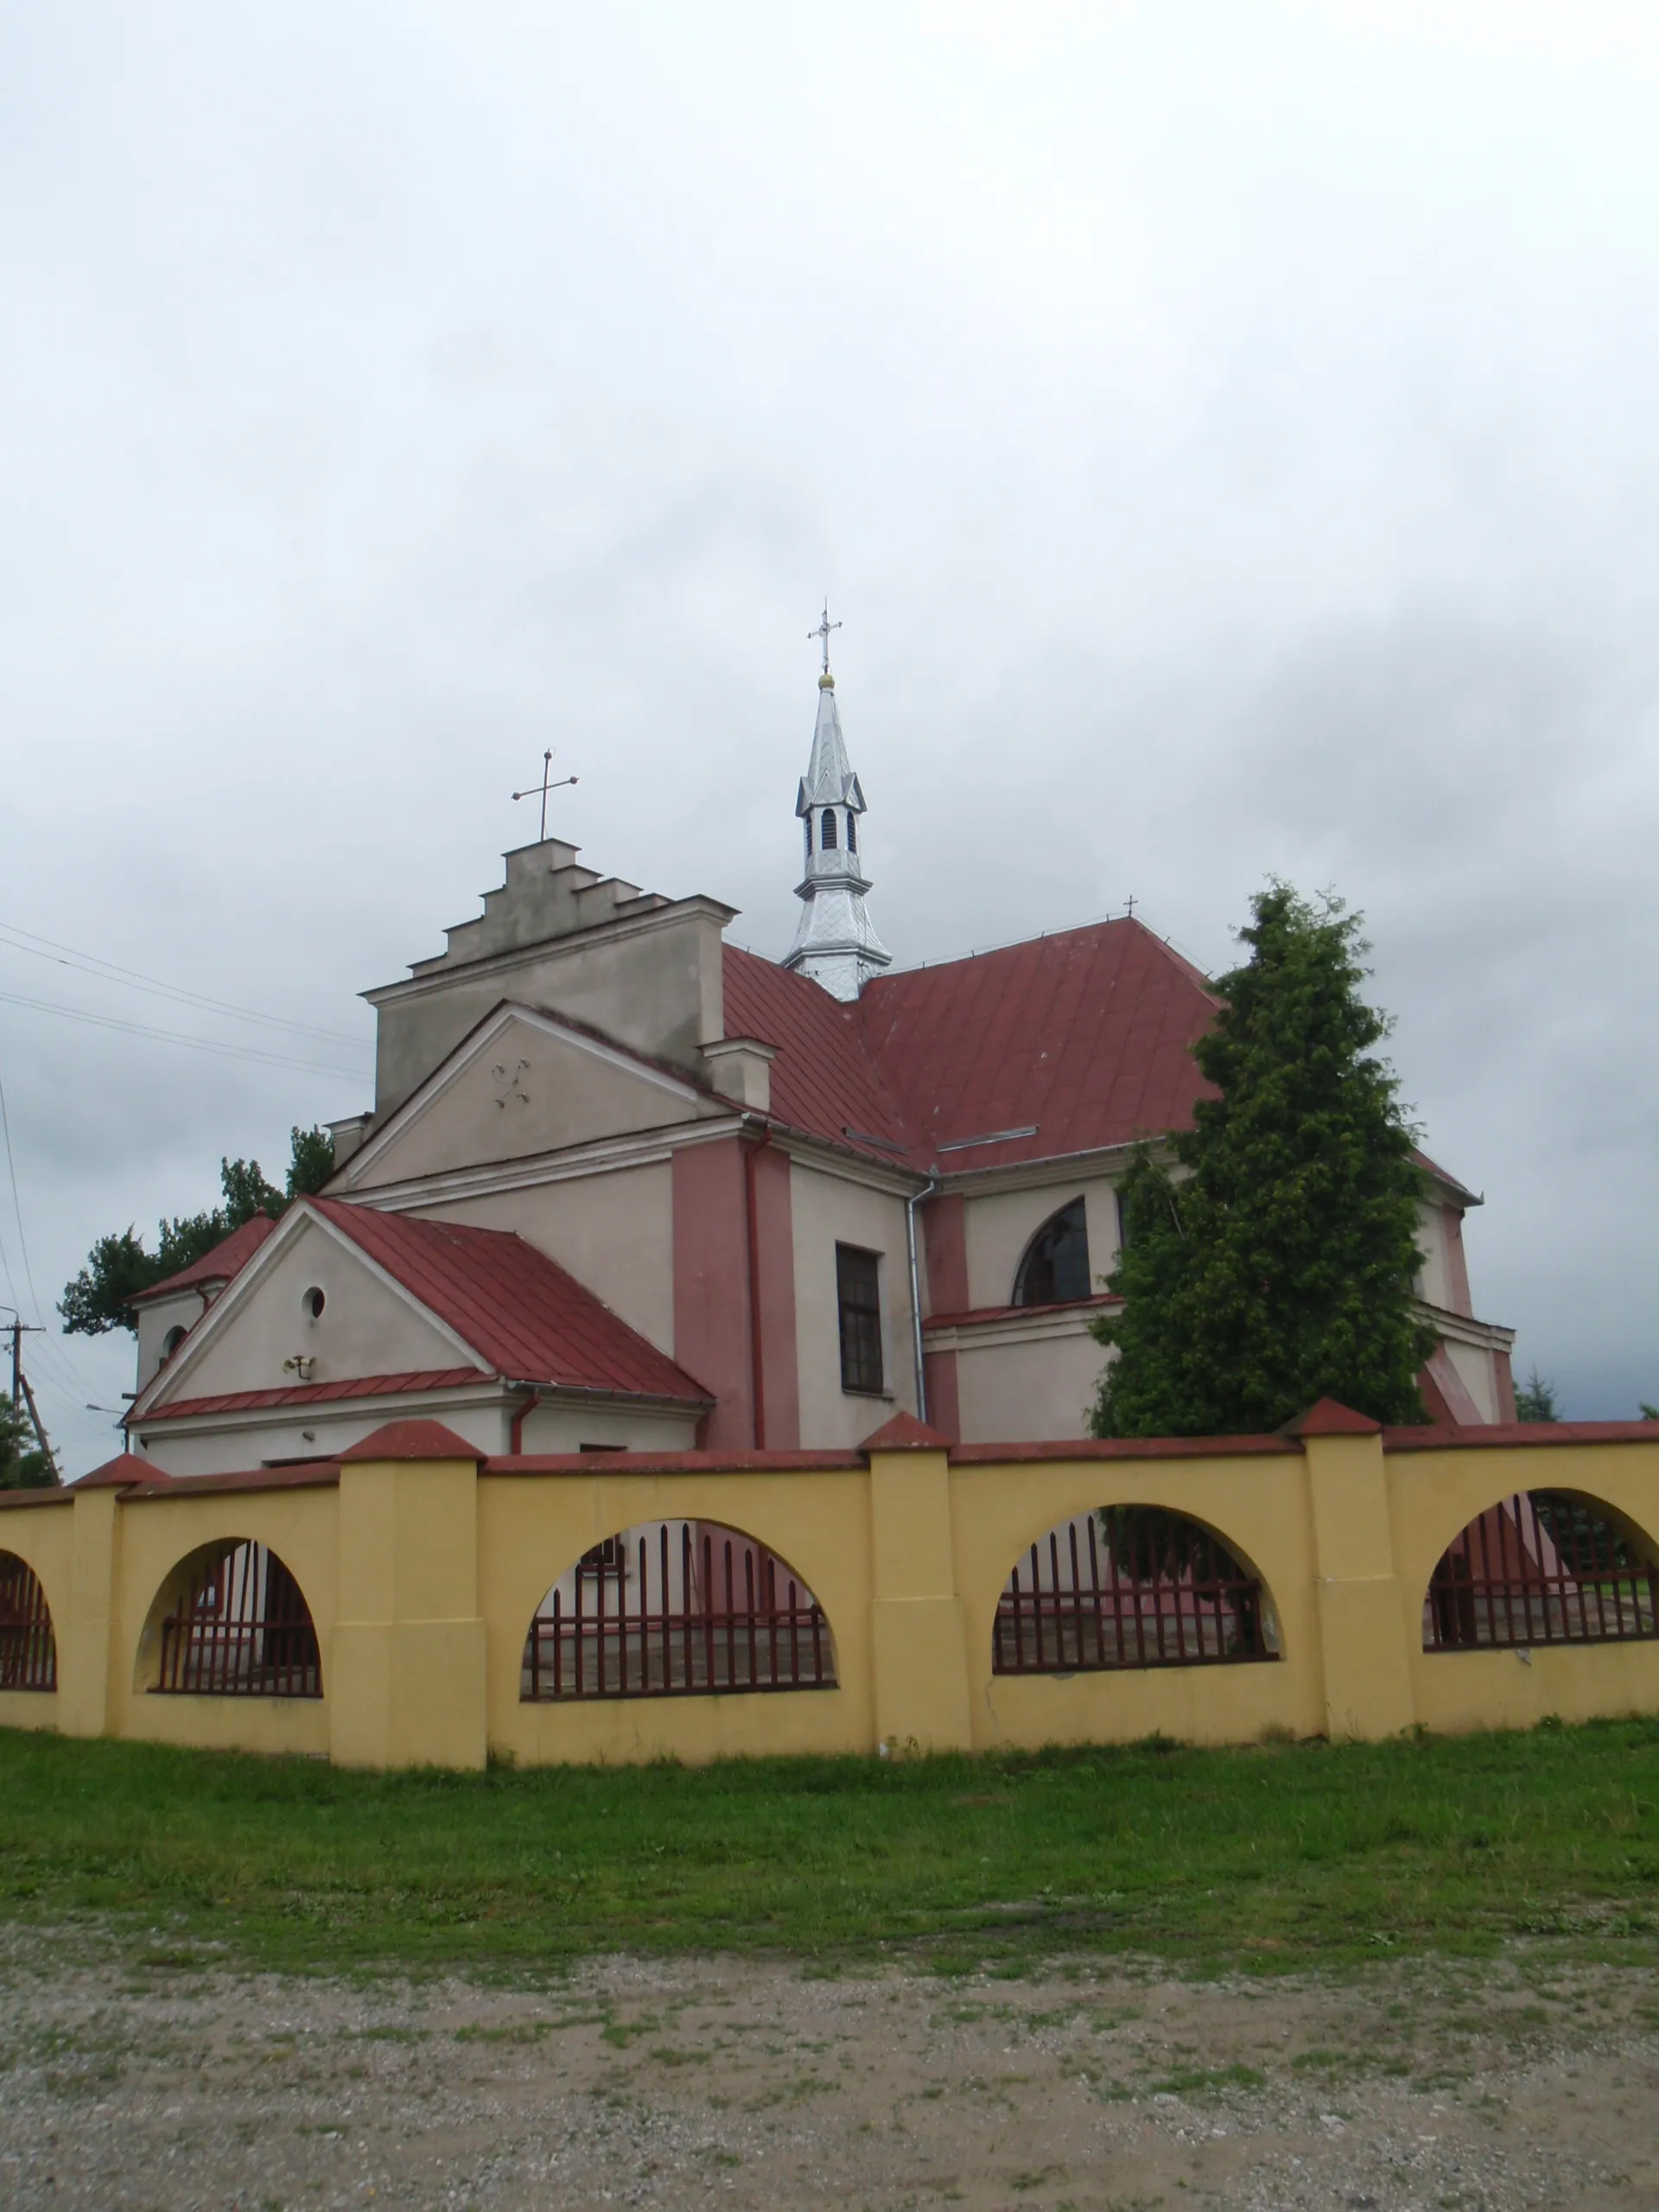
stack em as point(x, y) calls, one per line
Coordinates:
point(23, 1465)
point(119, 1265)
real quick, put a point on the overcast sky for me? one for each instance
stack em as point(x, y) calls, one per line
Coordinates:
point(1226, 432)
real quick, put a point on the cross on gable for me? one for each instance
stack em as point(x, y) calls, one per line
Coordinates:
point(547, 783)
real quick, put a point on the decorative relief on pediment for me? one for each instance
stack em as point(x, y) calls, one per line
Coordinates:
point(508, 1078)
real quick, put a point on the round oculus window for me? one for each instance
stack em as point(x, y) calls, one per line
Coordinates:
point(314, 1301)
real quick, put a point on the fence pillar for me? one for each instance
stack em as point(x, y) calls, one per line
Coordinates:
point(1366, 1668)
point(404, 1678)
point(921, 1677)
point(89, 1642)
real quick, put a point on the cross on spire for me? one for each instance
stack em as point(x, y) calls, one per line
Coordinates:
point(549, 783)
point(823, 631)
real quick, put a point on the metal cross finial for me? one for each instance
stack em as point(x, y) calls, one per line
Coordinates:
point(1131, 904)
point(543, 787)
point(825, 625)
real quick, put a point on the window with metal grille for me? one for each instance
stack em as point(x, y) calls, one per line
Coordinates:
point(241, 1628)
point(852, 832)
point(827, 837)
point(807, 825)
point(28, 1651)
point(1055, 1269)
point(693, 1610)
point(1543, 1566)
point(1130, 1585)
point(858, 1295)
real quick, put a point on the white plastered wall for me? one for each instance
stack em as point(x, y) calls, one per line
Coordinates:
point(227, 1447)
point(529, 1088)
point(1032, 1391)
point(1433, 1278)
point(366, 1327)
point(1001, 1224)
point(1475, 1370)
point(615, 1233)
point(566, 1428)
point(827, 1210)
point(157, 1321)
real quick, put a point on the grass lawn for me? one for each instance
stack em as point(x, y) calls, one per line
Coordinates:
point(1281, 1856)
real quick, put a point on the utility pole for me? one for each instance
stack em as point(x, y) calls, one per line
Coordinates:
point(22, 1392)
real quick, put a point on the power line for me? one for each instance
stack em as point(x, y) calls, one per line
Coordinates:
point(177, 1036)
point(93, 963)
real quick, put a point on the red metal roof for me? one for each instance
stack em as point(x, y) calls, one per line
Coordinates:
point(1084, 1038)
point(825, 1080)
point(227, 1257)
point(519, 1310)
point(1086, 1035)
point(312, 1394)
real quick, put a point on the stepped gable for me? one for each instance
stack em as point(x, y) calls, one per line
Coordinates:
point(519, 1310)
point(228, 1257)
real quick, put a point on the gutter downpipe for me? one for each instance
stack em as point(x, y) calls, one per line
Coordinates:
point(928, 1190)
point(521, 1413)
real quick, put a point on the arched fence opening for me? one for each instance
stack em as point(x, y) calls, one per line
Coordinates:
point(680, 1609)
point(1542, 1567)
point(238, 1626)
point(28, 1650)
point(1130, 1585)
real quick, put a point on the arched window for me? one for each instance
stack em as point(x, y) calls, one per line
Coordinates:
point(807, 826)
point(852, 832)
point(1545, 1567)
point(28, 1651)
point(1130, 1585)
point(1055, 1269)
point(170, 1342)
point(235, 1624)
point(827, 835)
point(683, 1609)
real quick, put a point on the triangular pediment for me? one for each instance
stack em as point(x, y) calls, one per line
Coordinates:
point(523, 1082)
point(308, 1308)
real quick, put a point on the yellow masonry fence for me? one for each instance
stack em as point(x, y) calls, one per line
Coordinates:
point(414, 1604)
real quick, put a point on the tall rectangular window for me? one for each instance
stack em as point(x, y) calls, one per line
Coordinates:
point(858, 1293)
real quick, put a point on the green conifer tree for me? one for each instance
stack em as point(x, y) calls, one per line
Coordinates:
point(1275, 1266)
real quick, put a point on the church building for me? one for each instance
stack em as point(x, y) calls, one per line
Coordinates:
point(625, 1187)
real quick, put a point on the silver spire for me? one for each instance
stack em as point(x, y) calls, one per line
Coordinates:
point(836, 944)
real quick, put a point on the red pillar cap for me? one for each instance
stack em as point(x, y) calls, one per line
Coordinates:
point(1328, 1418)
point(413, 1440)
point(904, 1433)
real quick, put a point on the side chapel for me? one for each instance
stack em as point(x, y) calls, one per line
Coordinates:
point(625, 1187)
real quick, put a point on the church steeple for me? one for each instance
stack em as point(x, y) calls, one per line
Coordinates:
point(836, 944)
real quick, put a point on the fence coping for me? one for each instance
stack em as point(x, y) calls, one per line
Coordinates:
point(1477, 1436)
point(137, 1478)
point(676, 1463)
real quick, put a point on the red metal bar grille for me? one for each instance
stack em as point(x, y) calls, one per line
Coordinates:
point(732, 1623)
point(243, 1629)
point(1141, 1588)
point(1541, 1568)
point(28, 1650)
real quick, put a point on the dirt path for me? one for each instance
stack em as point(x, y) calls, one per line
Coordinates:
point(165, 2088)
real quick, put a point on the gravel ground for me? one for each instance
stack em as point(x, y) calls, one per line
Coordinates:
point(171, 2084)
